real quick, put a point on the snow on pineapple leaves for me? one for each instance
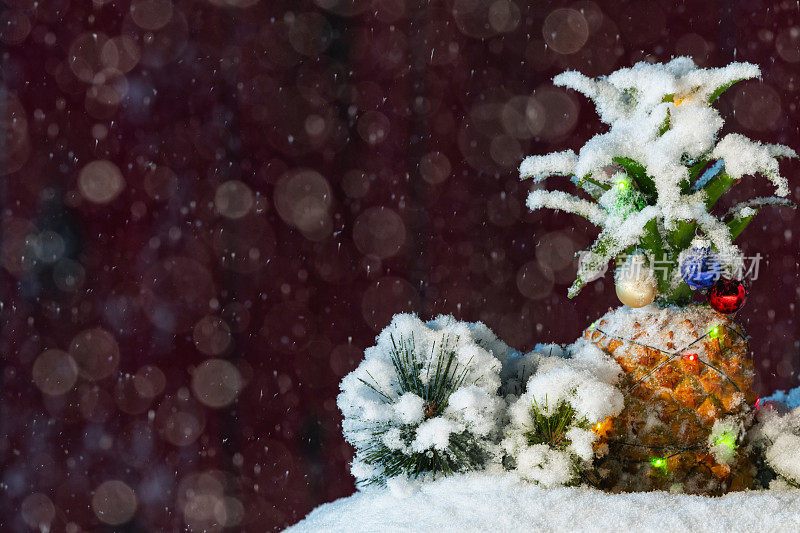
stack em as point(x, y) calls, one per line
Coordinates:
point(663, 133)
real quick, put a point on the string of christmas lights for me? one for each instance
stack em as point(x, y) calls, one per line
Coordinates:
point(660, 462)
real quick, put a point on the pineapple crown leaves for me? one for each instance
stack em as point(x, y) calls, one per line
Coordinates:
point(654, 176)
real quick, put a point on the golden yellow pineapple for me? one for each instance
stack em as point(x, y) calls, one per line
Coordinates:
point(684, 368)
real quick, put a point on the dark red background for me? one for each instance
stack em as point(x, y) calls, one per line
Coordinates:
point(361, 92)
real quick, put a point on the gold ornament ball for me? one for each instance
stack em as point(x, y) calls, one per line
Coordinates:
point(635, 291)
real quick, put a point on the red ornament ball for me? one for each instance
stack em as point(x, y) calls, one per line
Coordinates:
point(727, 296)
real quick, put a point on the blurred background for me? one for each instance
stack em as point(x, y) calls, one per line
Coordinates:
point(211, 207)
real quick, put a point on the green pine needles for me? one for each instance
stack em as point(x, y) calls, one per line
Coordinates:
point(395, 449)
point(552, 429)
point(464, 453)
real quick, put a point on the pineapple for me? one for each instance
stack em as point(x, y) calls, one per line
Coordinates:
point(684, 368)
point(649, 184)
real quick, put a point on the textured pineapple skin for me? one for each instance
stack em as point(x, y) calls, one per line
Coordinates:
point(673, 396)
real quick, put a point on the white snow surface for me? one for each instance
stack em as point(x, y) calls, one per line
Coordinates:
point(647, 324)
point(503, 502)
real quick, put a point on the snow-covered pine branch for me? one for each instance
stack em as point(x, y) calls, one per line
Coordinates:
point(424, 400)
point(549, 437)
point(612, 104)
point(711, 82)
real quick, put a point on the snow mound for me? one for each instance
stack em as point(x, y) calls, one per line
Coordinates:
point(482, 502)
point(575, 394)
point(779, 435)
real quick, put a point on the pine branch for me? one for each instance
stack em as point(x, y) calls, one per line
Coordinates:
point(552, 429)
point(443, 375)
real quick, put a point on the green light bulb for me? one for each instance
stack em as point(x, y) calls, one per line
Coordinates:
point(727, 440)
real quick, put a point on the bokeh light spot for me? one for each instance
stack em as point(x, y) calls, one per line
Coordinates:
point(216, 383)
point(212, 335)
point(100, 181)
point(96, 353)
point(379, 232)
point(303, 199)
point(55, 372)
point(38, 511)
point(434, 167)
point(114, 502)
point(160, 183)
point(149, 381)
point(233, 199)
point(565, 30)
point(151, 14)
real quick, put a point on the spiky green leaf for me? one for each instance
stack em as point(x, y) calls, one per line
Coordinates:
point(717, 187)
point(721, 89)
point(652, 242)
point(662, 129)
point(638, 173)
point(737, 225)
point(681, 237)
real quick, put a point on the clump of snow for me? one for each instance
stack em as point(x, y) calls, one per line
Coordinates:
point(547, 466)
point(562, 201)
point(505, 503)
point(743, 156)
point(784, 456)
point(724, 438)
point(661, 123)
point(582, 386)
point(779, 437)
point(379, 411)
point(646, 325)
point(434, 434)
point(562, 163)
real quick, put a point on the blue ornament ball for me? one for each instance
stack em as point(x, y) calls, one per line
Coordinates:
point(700, 268)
